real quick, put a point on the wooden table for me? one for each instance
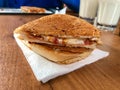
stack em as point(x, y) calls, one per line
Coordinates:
point(16, 74)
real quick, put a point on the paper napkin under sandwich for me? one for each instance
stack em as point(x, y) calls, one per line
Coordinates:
point(45, 70)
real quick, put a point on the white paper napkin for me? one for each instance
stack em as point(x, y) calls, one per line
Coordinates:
point(44, 70)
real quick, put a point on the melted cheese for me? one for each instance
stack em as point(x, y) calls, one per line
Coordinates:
point(74, 41)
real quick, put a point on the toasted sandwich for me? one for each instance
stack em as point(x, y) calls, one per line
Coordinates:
point(60, 38)
point(30, 9)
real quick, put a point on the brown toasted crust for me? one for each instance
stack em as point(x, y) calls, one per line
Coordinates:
point(62, 57)
point(30, 9)
point(59, 25)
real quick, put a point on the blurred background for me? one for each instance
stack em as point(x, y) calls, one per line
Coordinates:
point(104, 14)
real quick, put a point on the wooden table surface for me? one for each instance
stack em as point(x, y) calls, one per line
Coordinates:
point(16, 74)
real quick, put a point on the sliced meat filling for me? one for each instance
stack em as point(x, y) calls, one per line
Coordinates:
point(70, 42)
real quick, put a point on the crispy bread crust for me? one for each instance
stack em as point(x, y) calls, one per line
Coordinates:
point(59, 25)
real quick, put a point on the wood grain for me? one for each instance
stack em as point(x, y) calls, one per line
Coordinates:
point(16, 74)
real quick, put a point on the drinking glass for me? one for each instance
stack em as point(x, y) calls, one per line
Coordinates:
point(108, 14)
point(88, 9)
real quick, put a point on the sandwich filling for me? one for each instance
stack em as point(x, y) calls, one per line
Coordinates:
point(89, 42)
point(72, 42)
